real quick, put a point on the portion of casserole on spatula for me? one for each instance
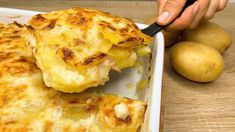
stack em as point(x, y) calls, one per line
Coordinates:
point(76, 48)
point(27, 105)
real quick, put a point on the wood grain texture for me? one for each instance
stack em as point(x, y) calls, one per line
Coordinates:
point(186, 106)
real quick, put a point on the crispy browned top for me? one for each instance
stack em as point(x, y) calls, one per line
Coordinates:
point(15, 56)
point(85, 19)
point(86, 22)
point(26, 104)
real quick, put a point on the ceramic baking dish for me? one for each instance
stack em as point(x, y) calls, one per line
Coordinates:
point(126, 83)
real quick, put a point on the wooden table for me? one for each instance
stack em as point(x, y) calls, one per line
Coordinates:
point(186, 106)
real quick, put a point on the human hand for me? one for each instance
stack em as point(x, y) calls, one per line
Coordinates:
point(191, 17)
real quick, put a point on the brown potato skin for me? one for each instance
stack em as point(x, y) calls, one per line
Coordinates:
point(196, 62)
point(210, 34)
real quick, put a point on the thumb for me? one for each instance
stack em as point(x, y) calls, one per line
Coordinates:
point(170, 10)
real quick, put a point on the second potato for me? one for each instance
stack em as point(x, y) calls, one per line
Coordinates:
point(196, 62)
point(210, 34)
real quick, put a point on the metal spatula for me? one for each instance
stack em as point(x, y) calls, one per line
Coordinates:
point(152, 29)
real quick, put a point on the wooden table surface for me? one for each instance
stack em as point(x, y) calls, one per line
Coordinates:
point(186, 106)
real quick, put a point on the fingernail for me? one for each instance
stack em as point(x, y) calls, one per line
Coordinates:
point(195, 8)
point(163, 16)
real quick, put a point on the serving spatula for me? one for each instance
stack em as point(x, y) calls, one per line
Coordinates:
point(152, 29)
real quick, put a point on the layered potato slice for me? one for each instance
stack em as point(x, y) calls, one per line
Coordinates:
point(76, 48)
point(26, 104)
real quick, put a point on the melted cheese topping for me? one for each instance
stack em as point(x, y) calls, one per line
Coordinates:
point(26, 104)
point(76, 48)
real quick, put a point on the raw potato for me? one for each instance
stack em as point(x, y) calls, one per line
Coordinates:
point(196, 62)
point(209, 34)
point(170, 36)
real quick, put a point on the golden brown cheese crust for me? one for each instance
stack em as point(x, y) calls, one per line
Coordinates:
point(76, 48)
point(26, 104)
point(85, 19)
point(16, 56)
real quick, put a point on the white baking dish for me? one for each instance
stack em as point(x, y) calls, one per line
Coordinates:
point(120, 83)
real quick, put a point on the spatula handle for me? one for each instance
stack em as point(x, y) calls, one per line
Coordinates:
point(152, 29)
point(187, 4)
